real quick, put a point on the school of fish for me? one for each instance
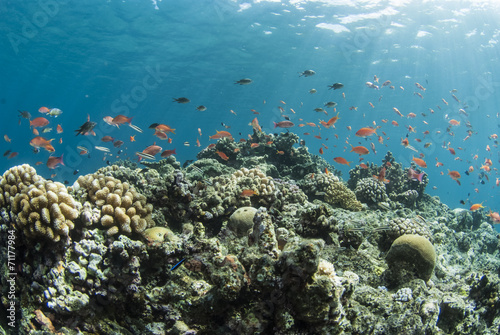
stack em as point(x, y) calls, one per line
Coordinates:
point(361, 142)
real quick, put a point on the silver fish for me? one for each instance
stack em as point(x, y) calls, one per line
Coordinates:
point(145, 156)
point(103, 149)
point(135, 128)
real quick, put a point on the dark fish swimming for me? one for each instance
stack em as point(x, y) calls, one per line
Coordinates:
point(244, 81)
point(336, 86)
point(86, 128)
point(24, 114)
point(182, 100)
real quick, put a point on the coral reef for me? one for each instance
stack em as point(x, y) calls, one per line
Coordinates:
point(42, 209)
point(411, 255)
point(123, 210)
point(409, 226)
point(333, 190)
point(238, 247)
point(369, 190)
point(400, 187)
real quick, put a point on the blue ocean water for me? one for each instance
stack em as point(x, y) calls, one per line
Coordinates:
point(99, 58)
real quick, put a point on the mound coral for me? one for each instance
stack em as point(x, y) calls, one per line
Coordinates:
point(412, 254)
point(122, 208)
point(39, 207)
point(334, 191)
point(371, 191)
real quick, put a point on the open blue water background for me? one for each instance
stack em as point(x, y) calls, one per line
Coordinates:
point(101, 58)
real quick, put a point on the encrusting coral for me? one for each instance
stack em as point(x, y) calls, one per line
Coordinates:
point(123, 209)
point(39, 207)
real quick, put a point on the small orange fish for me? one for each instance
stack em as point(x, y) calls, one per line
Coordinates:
point(455, 175)
point(222, 155)
point(394, 123)
point(248, 193)
point(60, 140)
point(280, 152)
point(53, 162)
point(371, 105)
point(167, 153)
point(420, 162)
point(199, 131)
point(341, 160)
point(38, 163)
point(43, 110)
point(366, 131)
point(321, 151)
point(331, 122)
point(254, 145)
point(59, 129)
point(360, 150)
point(475, 207)
point(255, 125)
point(132, 138)
point(198, 143)
point(454, 122)
point(39, 122)
point(363, 166)
point(381, 176)
point(121, 119)
point(318, 137)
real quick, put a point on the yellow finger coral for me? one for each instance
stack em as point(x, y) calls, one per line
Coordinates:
point(123, 209)
point(39, 207)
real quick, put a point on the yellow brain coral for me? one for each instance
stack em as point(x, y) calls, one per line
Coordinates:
point(39, 207)
point(123, 209)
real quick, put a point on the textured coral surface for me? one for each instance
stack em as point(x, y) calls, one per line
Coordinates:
point(241, 247)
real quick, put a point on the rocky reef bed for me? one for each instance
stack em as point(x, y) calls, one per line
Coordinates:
point(259, 244)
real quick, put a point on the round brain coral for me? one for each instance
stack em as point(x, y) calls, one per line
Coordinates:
point(414, 254)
